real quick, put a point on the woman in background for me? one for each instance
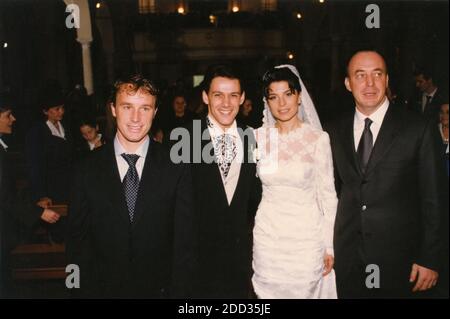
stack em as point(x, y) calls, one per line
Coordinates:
point(92, 137)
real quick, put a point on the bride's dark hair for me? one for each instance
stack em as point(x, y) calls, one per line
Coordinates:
point(279, 75)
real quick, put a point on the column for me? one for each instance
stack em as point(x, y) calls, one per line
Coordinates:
point(87, 65)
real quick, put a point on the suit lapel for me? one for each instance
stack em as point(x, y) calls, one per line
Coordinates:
point(150, 181)
point(212, 170)
point(243, 170)
point(113, 182)
point(389, 130)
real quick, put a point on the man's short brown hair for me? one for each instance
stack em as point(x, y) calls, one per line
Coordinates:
point(132, 84)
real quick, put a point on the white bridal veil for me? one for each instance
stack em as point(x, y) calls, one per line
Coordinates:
point(307, 112)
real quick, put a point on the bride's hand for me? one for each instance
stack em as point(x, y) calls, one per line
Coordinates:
point(328, 261)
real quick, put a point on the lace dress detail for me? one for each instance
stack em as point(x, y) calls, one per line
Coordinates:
point(295, 219)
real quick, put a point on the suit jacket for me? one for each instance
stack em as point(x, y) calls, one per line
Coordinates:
point(389, 216)
point(150, 258)
point(6, 197)
point(50, 159)
point(3, 267)
point(224, 262)
point(16, 215)
point(432, 110)
point(83, 149)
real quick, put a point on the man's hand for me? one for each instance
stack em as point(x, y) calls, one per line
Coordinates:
point(50, 216)
point(44, 202)
point(328, 261)
point(426, 278)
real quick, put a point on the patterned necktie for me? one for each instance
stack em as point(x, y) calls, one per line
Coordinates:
point(225, 151)
point(365, 144)
point(131, 183)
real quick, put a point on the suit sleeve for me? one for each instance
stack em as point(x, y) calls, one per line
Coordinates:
point(35, 148)
point(337, 179)
point(325, 189)
point(77, 241)
point(185, 238)
point(27, 212)
point(433, 189)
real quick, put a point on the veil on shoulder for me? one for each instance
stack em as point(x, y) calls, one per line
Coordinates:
point(307, 112)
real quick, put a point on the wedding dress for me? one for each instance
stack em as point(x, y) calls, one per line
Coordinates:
point(295, 219)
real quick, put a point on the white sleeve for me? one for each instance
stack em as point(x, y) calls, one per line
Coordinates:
point(325, 188)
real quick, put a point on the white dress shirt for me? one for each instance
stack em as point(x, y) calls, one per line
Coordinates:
point(3, 144)
point(122, 163)
point(55, 132)
point(377, 118)
point(230, 182)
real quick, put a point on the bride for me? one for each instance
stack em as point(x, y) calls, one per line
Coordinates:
point(293, 233)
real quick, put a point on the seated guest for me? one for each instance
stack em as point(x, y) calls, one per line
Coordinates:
point(179, 115)
point(49, 151)
point(91, 136)
point(13, 212)
point(245, 111)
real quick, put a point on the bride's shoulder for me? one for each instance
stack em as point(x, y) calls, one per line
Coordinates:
point(313, 133)
point(263, 132)
point(308, 128)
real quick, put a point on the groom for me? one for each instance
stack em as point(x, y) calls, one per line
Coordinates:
point(226, 189)
point(390, 180)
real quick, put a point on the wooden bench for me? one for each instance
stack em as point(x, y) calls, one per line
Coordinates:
point(39, 273)
point(38, 261)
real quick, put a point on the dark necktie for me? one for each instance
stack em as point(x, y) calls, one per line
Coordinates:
point(131, 183)
point(365, 144)
point(427, 103)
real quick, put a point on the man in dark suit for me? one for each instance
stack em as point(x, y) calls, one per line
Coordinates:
point(130, 214)
point(7, 233)
point(390, 183)
point(16, 214)
point(429, 98)
point(226, 189)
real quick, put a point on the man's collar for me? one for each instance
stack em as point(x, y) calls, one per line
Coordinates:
point(141, 150)
point(216, 130)
point(377, 116)
point(2, 143)
point(430, 94)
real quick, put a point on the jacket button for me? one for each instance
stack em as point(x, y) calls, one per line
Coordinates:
point(364, 208)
